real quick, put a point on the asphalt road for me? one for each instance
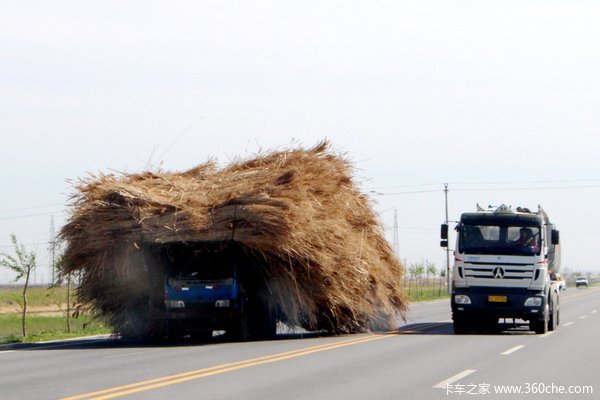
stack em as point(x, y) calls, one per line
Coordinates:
point(423, 360)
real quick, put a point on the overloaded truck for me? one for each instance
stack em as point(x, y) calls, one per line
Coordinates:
point(285, 237)
point(505, 267)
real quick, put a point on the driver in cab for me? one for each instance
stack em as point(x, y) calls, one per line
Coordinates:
point(527, 240)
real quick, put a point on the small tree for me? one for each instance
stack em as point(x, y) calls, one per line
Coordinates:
point(420, 272)
point(431, 270)
point(442, 278)
point(412, 271)
point(23, 264)
point(416, 271)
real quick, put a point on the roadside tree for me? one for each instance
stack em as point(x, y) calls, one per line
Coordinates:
point(22, 263)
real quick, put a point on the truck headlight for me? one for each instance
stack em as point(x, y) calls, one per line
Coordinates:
point(462, 299)
point(533, 302)
point(174, 304)
point(222, 303)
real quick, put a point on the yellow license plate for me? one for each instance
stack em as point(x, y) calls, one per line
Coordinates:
point(497, 299)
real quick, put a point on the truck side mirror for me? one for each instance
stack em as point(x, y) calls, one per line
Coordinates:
point(444, 243)
point(555, 237)
point(444, 232)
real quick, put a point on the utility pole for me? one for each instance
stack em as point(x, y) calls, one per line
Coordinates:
point(448, 280)
point(53, 248)
point(395, 243)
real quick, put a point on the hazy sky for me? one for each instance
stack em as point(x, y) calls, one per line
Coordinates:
point(498, 98)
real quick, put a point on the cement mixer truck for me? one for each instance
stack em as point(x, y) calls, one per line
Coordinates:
point(505, 266)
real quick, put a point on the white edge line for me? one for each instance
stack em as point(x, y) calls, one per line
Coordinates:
point(133, 353)
point(60, 342)
point(568, 323)
point(512, 350)
point(444, 384)
point(7, 351)
point(65, 342)
point(75, 339)
point(546, 334)
point(594, 312)
point(582, 317)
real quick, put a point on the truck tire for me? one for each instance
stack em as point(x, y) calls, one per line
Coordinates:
point(553, 320)
point(461, 326)
point(261, 324)
point(540, 326)
point(491, 325)
point(174, 330)
point(238, 330)
point(256, 322)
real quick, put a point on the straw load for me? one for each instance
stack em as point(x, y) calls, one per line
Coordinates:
point(296, 214)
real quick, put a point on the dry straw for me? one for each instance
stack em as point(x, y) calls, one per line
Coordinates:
point(296, 212)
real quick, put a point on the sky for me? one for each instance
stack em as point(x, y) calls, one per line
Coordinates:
point(499, 99)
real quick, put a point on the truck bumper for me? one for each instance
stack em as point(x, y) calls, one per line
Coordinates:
point(203, 315)
point(497, 303)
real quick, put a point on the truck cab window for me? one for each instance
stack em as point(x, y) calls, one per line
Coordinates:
point(498, 239)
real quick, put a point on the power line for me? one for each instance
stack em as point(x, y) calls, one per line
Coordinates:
point(527, 182)
point(516, 182)
point(528, 188)
point(31, 215)
point(404, 186)
point(403, 193)
point(373, 193)
point(30, 208)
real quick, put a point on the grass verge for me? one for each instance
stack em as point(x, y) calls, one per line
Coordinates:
point(425, 290)
point(43, 328)
point(38, 296)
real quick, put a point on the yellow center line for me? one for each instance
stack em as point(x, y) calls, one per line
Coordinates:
point(218, 369)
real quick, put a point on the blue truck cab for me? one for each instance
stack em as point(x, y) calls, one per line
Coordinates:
point(212, 286)
point(202, 291)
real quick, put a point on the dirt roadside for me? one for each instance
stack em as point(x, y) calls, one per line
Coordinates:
point(47, 310)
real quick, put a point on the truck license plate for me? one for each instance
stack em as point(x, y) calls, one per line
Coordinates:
point(497, 299)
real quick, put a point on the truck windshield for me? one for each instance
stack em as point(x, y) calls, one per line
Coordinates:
point(208, 272)
point(205, 266)
point(499, 239)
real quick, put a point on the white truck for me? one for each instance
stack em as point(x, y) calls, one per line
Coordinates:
point(505, 266)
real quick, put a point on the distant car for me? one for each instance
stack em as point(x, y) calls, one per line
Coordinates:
point(581, 282)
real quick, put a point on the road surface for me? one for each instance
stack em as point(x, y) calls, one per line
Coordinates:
point(423, 360)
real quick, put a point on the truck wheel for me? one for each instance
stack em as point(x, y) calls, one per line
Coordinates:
point(553, 321)
point(557, 309)
point(492, 326)
point(540, 326)
point(238, 330)
point(174, 330)
point(460, 326)
point(158, 332)
point(261, 318)
point(262, 325)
